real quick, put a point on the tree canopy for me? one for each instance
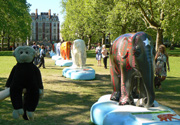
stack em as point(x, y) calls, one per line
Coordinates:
point(96, 19)
point(15, 21)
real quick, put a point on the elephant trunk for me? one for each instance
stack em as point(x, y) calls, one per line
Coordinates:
point(148, 80)
point(149, 88)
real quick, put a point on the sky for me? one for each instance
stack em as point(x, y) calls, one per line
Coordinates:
point(45, 5)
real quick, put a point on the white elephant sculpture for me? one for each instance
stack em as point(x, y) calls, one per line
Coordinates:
point(78, 53)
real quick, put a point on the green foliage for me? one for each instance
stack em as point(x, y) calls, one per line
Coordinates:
point(6, 53)
point(94, 18)
point(15, 21)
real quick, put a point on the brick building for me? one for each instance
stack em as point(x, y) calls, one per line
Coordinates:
point(45, 27)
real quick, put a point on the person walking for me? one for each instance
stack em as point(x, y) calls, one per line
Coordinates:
point(98, 54)
point(162, 64)
point(104, 55)
point(42, 55)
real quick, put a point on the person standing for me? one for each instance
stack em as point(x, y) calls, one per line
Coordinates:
point(98, 54)
point(36, 48)
point(42, 55)
point(104, 55)
point(162, 63)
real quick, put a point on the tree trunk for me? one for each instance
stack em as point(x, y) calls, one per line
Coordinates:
point(172, 43)
point(14, 44)
point(81, 36)
point(89, 42)
point(2, 41)
point(109, 39)
point(103, 38)
point(123, 30)
point(8, 43)
point(159, 38)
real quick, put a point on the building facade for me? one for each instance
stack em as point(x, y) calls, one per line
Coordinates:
point(45, 27)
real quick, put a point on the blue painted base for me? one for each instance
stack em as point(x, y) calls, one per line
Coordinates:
point(52, 53)
point(86, 73)
point(64, 63)
point(107, 112)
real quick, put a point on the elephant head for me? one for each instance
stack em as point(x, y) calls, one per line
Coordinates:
point(142, 60)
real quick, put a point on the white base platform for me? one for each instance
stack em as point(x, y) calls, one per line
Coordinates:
point(86, 73)
point(107, 112)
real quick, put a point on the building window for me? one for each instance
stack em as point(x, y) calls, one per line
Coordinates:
point(54, 24)
point(54, 31)
point(47, 24)
point(40, 24)
point(40, 30)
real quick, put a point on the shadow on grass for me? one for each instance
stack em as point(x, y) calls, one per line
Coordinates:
point(59, 107)
point(89, 64)
point(2, 83)
point(73, 107)
point(170, 93)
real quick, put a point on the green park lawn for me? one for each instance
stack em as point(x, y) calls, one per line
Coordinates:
point(69, 101)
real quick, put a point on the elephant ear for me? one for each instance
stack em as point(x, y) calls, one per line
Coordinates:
point(123, 49)
point(134, 52)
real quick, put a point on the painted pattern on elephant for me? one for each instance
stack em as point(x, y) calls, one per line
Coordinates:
point(132, 54)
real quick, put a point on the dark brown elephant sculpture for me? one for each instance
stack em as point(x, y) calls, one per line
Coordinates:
point(132, 56)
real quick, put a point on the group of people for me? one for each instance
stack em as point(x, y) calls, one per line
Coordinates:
point(39, 56)
point(101, 52)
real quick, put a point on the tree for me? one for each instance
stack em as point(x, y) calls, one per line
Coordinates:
point(89, 18)
point(157, 15)
point(16, 22)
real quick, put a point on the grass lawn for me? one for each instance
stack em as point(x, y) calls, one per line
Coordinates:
point(69, 101)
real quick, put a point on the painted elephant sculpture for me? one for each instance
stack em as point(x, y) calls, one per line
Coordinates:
point(132, 57)
point(58, 49)
point(78, 53)
point(65, 50)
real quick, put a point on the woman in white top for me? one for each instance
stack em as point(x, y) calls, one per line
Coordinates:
point(104, 55)
point(162, 62)
point(98, 54)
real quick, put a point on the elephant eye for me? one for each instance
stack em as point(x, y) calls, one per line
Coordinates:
point(137, 51)
point(21, 52)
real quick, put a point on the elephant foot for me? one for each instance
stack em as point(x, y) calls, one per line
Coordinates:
point(126, 101)
point(115, 96)
point(17, 113)
point(141, 102)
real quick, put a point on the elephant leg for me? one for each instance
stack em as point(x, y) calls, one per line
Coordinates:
point(116, 84)
point(126, 88)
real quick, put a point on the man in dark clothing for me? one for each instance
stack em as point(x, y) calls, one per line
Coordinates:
point(36, 48)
